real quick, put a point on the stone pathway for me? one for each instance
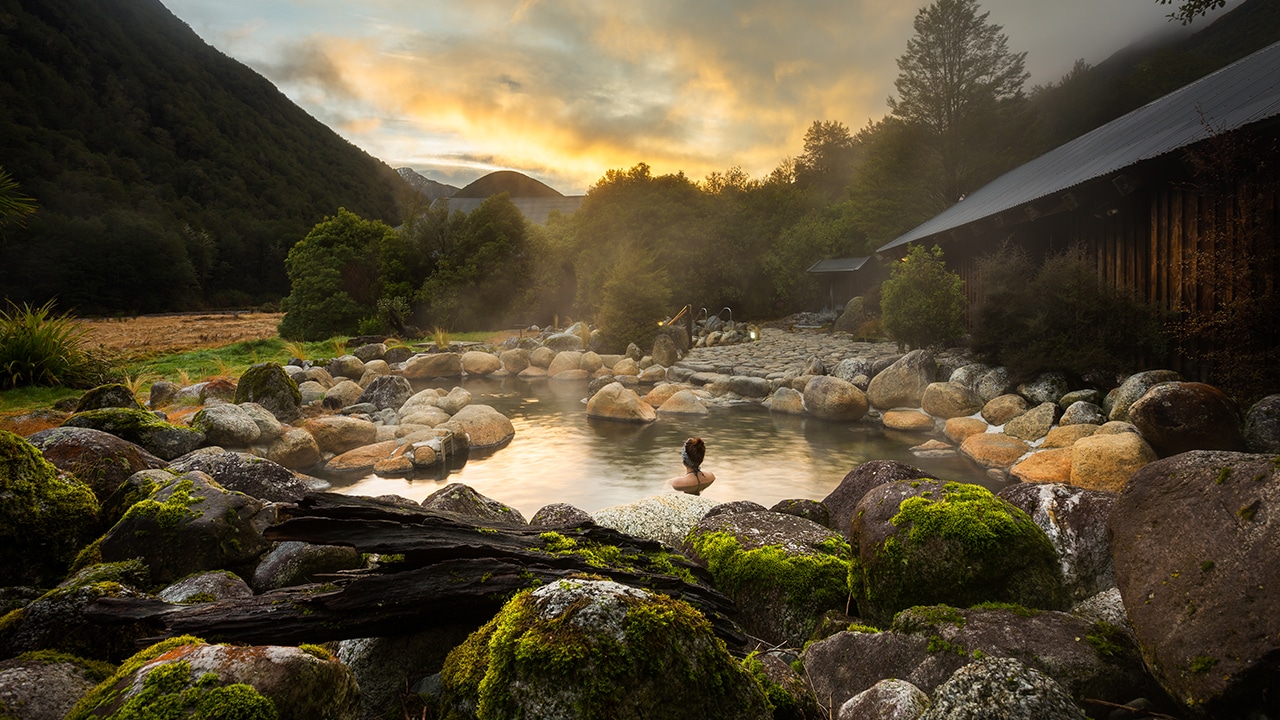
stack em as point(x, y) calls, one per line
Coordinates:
point(781, 351)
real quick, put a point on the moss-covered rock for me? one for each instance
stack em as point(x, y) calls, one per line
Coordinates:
point(783, 572)
point(100, 460)
point(268, 385)
point(112, 395)
point(597, 649)
point(45, 516)
point(160, 438)
point(925, 542)
point(45, 685)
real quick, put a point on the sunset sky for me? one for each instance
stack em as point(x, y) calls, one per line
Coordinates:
point(567, 90)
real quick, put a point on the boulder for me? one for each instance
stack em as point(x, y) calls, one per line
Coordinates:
point(387, 392)
point(994, 383)
point(1089, 395)
point(361, 460)
point(782, 571)
point(608, 670)
point(1105, 462)
point(250, 682)
point(903, 383)
point(633, 352)
point(297, 563)
point(271, 387)
point(1175, 417)
point(683, 403)
point(1195, 543)
point(226, 425)
point(452, 403)
point(831, 398)
point(462, 500)
point(666, 518)
point(483, 426)
point(907, 420)
point(665, 352)
point(162, 394)
point(852, 317)
point(387, 668)
point(347, 366)
point(374, 369)
point(560, 515)
point(475, 362)
point(45, 516)
point(1082, 413)
point(811, 510)
point(219, 389)
point(658, 395)
point(615, 402)
point(564, 342)
point(156, 436)
point(426, 366)
point(652, 374)
point(100, 460)
point(994, 450)
point(1034, 423)
point(343, 394)
point(949, 399)
point(188, 525)
point(1044, 466)
point(254, 476)
point(566, 360)
point(886, 700)
point(296, 449)
point(541, 357)
point(337, 434)
point(1064, 436)
point(514, 360)
point(1001, 688)
point(1046, 388)
point(370, 352)
point(206, 587)
point(626, 366)
point(46, 688)
point(924, 542)
point(1262, 426)
point(1075, 521)
point(1003, 408)
point(112, 395)
point(269, 427)
point(960, 429)
point(844, 499)
point(1119, 400)
point(735, 506)
point(787, 401)
point(751, 387)
point(850, 368)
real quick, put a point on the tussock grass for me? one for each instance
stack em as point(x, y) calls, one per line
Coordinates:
point(39, 346)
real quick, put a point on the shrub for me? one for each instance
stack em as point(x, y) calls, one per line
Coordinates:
point(1060, 317)
point(332, 272)
point(41, 347)
point(922, 301)
point(635, 296)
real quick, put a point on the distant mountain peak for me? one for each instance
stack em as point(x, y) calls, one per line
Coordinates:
point(426, 186)
point(516, 184)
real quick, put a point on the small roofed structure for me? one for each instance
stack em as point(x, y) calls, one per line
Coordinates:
point(844, 277)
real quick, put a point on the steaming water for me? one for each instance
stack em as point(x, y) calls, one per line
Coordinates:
point(560, 455)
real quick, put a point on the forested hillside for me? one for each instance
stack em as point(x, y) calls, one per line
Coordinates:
point(168, 175)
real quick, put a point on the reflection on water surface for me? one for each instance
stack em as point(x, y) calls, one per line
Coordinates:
point(559, 455)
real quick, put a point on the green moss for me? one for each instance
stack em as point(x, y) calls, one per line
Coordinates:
point(1019, 610)
point(1223, 475)
point(171, 692)
point(1247, 512)
point(1109, 640)
point(317, 651)
point(132, 572)
point(1202, 664)
point(108, 692)
point(603, 555)
point(938, 644)
point(197, 598)
point(1206, 566)
point(810, 580)
point(10, 619)
point(95, 670)
point(856, 627)
point(969, 514)
point(170, 513)
point(927, 618)
point(90, 554)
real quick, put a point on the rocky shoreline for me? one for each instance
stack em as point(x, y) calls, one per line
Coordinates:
point(1129, 557)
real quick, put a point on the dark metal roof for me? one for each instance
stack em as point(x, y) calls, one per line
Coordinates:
point(838, 265)
point(1240, 94)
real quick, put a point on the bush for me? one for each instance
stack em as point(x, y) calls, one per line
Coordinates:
point(332, 272)
point(635, 297)
point(922, 301)
point(40, 347)
point(1060, 317)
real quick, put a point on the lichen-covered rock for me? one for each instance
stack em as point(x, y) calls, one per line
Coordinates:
point(187, 525)
point(453, 401)
point(482, 425)
point(565, 342)
point(347, 366)
point(45, 516)
point(1003, 408)
point(886, 700)
point(100, 460)
point(206, 587)
point(735, 506)
point(1196, 542)
point(185, 675)
point(1119, 400)
point(271, 387)
point(969, 374)
point(142, 428)
point(296, 563)
point(1044, 466)
point(1046, 388)
point(783, 572)
point(811, 510)
point(57, 620)
point(1176, 417)
point(296, 449)
point(1064, 436)
point(433, 365)
point(1075, 521)
point(1034, 423)
point(1001, 689)
point(844, 499)
point(949, 400)
point(112, 395)
point(903, 383)
point(598, 649)
point(1082, 413)
point(994, 383)
point(560, 515)
point(1105, 462)
point(387, 391)
point(241, 472)
point(45, 686)
point(994, 450)
point(226, 425)
point(1262, 426)
point(924, 542)
point(615, 402)
point(960, 429)
point(337, 434)
point(666, 518)
point(462, 500)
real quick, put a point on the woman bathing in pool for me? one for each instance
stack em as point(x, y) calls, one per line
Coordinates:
point(694, 479)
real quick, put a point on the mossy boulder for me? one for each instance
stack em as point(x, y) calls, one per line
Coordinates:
point(45, 685)
point(45, 516)
point(597, 649)
point(57, 620)
point(186, 677)
point(463, 500)
point(187, 525)
point(783, 572)
point(242, 472)
point(100, 460)
point(268, 385)
point(924, 542)
point(111, 395)
point(160, 438)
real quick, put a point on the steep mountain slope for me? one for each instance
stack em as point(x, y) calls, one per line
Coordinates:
point(428, 188)
point(168, 175)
